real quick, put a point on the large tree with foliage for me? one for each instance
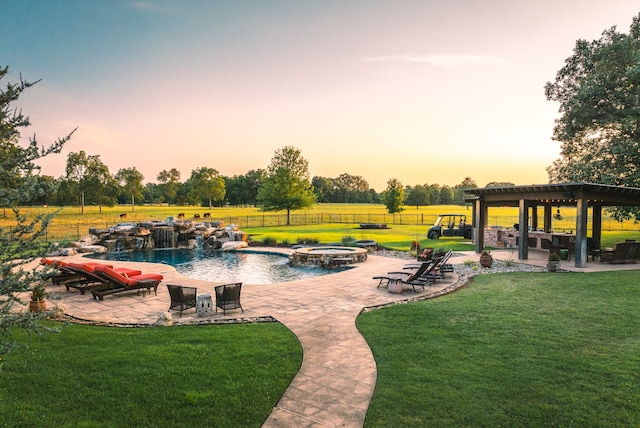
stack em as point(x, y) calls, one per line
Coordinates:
point(21, 241)
point(131, 181)
point(599, 128)
point(92, 178)
point(206, 183)
point(286, 185)
point(417, 195)
point(393, 196)
point(243, 189)
point(170, 183)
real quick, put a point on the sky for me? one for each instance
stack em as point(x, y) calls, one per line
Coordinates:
point(424, 91)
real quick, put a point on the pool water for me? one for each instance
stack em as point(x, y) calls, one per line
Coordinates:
point(220, 266)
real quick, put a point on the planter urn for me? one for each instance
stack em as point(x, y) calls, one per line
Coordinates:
point(486, 260)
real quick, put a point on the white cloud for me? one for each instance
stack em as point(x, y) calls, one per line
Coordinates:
point(440, 60)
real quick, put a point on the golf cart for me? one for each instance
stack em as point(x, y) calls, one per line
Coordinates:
point(451, 225)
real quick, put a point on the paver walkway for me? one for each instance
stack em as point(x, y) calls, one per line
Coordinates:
point(336, 380)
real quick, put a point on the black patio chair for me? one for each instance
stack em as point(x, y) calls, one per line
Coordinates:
point(182, 298)
point(228, 297)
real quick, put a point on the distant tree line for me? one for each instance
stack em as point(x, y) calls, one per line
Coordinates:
point(88, 181)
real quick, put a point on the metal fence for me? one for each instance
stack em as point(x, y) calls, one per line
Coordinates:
point(73, 232)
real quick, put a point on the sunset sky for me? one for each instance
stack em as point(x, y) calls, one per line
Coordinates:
point(425, 91)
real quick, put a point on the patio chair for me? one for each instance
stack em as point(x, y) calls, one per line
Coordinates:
point(182, 298)
point(118, 283)
point(228, 297)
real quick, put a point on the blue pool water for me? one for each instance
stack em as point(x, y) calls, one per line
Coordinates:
point(219, 266)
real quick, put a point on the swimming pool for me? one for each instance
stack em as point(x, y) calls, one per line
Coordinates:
point(219, 266)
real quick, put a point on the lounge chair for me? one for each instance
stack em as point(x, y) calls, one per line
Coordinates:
point(228, 297)
point(83, 278)
point(415, 279)
point(58, 271)
point(90, 276)
point(441, 266)
point(118, 283)
point(182, 298)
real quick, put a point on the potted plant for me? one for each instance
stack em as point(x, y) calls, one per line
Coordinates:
point(38, 296)
point(553, 263)
point(486, 260)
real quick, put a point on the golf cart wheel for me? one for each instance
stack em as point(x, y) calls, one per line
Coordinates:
point(433, 235)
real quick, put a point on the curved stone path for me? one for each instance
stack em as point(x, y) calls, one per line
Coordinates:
point(338, 374)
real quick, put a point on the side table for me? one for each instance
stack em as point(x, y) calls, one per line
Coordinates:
point(204, 305)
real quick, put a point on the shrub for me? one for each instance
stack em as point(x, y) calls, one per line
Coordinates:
point(268, 240)
point(348, 240)
point(307, 241)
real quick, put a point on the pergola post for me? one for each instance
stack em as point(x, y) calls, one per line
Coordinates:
point(523, 237)
point(596, 225)
point(547, 218)
point(534, 217)
point(480, 221)
point(581, 230)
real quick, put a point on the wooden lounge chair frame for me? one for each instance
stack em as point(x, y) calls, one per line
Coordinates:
point(414, 279)
point(182, 298)
point(228, 297)
point(117, 283)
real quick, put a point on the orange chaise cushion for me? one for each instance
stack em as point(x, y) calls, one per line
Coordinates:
point(145, 276)
point(125, 271)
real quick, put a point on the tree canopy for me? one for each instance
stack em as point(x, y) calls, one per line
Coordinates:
point(21, 242)
point(131, 181)
point(599, 128)
point(393, 196)
point(286, 185)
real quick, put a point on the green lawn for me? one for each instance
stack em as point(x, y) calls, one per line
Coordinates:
point(524, 349)
point(511, 350)
point(208, 375)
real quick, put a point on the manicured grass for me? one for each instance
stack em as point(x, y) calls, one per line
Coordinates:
point(229, 375)
point(397, 237)
point(519, 349)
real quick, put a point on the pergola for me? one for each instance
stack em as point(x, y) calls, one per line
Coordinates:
point(579, 195)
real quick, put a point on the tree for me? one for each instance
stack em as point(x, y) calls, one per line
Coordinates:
point(76, 171)
point(171, 182)
point(393, 196)
point(351, 188)
point(286, 185)
point(206, 182)
point(599, 127)
point(458, 190)
point(103, 187)
point(324, 188)
point(243, 189)
point(446, 195)
point(131, 181)
point(418, 195)
point(499, 184)
point(20, 242)
point(92, 179)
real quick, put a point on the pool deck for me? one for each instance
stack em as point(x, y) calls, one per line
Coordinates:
point(338, 374)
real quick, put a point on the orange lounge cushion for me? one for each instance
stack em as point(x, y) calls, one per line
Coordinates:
point(134, 280)
point(128, 271)
point(81, 266)
point(121, 270)
point(124, 280)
